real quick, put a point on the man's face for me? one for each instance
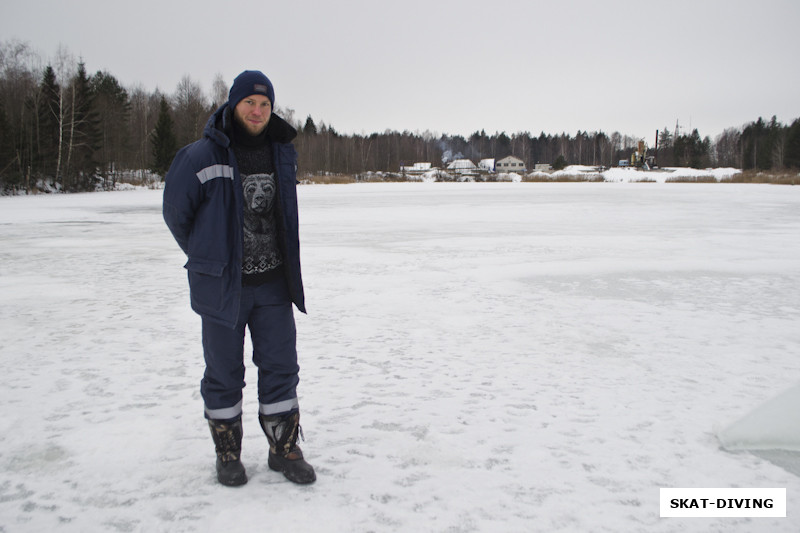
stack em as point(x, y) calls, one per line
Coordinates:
point(253, 113)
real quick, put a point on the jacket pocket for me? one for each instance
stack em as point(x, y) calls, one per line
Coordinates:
point(206, 284)
point(208, 267)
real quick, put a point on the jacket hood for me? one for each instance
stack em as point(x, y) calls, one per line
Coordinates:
point(219, 126)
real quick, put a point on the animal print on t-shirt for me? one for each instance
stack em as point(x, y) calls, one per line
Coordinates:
point(261, 250)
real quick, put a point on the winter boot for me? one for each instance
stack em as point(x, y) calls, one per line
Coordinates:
point(227, 435)
point(284, 454)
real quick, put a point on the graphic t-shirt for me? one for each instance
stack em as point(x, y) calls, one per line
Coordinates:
point(261, 252)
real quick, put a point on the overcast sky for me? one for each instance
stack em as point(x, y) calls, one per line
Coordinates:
point(452, 66)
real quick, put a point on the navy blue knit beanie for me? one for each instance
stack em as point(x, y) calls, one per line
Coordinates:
point(250, 82)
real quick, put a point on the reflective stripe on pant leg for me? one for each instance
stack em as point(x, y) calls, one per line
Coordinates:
point(278, 408)
point(224, 414)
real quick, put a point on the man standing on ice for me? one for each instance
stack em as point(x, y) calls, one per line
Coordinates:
point(230, 200)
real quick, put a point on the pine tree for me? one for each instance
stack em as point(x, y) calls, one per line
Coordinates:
point(697, 150)
point(310, 128)
point(664, 139)
point(164, 141)
point(7, 156)
point(502, 145)
point(48, 126)
point(681, 150)
point(757, 150)
point(792, 158)
point(114, 107)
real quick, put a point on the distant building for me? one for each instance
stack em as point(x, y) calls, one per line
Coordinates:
point(543, 167)
point(462, 166)
point(510, 164)
point(416, 168)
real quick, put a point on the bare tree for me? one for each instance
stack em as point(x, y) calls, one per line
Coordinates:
point(616, 146)
point(219, 91)
point(64, 68)
point(144, 112)
point(20, 97)
point(727, 148)
point(779, 147)
point(191, 111)
point(287, 114)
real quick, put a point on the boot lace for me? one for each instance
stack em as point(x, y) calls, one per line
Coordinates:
point(227, 442)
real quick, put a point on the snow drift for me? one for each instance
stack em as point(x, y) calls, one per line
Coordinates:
point(774, 425)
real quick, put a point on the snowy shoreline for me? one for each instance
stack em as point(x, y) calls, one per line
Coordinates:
point(572, 173)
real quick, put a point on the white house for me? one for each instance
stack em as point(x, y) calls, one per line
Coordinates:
point(416, 168)
point(510, 164)
point(462, 166)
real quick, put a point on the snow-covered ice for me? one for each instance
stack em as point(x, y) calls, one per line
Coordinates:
point(476, 357)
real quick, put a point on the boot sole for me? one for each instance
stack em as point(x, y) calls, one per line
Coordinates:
point(233, 482)
point(232, 479)
point(278, 466)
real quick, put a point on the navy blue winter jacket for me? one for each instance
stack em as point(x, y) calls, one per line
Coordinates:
point(203, 208)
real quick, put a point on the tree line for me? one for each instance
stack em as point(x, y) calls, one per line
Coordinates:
point(60, 124)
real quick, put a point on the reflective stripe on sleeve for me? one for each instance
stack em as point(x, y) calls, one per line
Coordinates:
point(215, 171)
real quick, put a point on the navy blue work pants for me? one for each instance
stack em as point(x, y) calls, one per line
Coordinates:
point(266, 310)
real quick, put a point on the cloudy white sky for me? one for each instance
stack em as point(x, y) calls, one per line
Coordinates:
point(452, 66)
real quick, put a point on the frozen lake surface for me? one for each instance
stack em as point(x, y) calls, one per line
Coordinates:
point(476, 357)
